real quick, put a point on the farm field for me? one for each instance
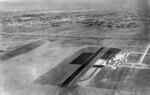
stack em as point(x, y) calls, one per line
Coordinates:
point(35, 49)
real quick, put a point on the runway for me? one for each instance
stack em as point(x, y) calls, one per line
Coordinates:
point(39, 68)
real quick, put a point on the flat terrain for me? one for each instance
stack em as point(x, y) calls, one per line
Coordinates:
point(32, 52)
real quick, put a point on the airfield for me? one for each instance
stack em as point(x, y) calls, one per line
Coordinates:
point(34, 62)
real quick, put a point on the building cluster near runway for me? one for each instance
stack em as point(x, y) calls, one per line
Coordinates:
point(87, 62)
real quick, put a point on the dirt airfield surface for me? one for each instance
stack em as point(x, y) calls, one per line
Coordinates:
point(29, 59)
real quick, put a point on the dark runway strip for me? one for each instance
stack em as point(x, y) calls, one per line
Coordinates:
point(80, 69)
point(81, 58)
point(110, 53)
point(98, 66)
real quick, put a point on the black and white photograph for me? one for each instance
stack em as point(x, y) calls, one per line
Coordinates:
point(74, 47)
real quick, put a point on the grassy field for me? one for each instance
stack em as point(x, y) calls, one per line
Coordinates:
point(33, 46)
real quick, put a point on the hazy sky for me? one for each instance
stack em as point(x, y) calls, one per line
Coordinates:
point(54, 0)
point(66, 4)
point(49, 0)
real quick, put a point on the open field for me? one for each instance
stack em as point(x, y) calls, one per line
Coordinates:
point(35, 49)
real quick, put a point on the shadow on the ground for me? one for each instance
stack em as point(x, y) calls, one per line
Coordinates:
point(21, 50)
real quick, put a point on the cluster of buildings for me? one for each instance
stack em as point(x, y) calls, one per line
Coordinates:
point(108, 20)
